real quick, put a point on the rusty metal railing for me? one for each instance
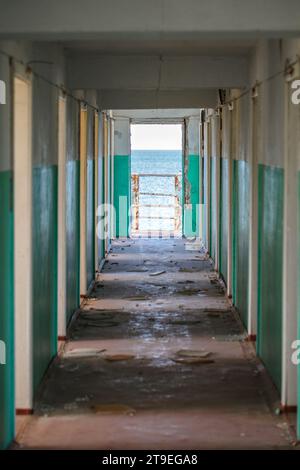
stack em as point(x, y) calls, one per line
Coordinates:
point(138, 205)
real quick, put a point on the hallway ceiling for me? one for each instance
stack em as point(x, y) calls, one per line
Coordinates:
point(164, 47)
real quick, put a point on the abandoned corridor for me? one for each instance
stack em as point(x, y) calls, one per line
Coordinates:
point(156, 359)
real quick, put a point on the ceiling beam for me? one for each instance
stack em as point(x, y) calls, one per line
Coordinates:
point(138, 99)
point(136, 19)
point(155, 73)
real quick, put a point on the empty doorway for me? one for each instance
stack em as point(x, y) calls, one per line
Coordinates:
point(156, 179)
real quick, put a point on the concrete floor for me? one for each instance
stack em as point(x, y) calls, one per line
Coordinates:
point(149, 400)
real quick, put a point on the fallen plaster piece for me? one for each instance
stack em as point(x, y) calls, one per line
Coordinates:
point(119, 357)
point(188, 281)
point(70, 406)
point(83, 352)
point(157, 273)
point(184, 322)
point(186, 270)
point(192, 360)
point(137, 270)
point(190, 292)
point(193, 353)
point(114, 408)
point(216, 312)
point(137, 297)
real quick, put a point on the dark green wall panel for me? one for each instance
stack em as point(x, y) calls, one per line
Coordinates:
point(213, 207)
point(90, 223)
point(72, 234)
point(103, 200)
point(122, 190)
point(44, 281)
point(270, 249)
point(223, 229)
point(6, 310)
point(240, 234)
point(298, 336)
point(191, 215)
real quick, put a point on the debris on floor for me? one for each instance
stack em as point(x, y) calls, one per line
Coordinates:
point(157, 273)
point(190, 292)
point(119, 357)
point(193, 353)
point(192, 360)
point(186, 270)
point(83, 352)
point(113, 409)
point(137, 297)
point(137, 270)
point(179, 365)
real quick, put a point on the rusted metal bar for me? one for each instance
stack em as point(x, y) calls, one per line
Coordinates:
point(165, 175)
point(137, 205)
point(157, 194)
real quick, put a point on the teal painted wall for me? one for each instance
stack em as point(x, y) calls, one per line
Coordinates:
point(6, 310)
point(191, 189)
point(90, 223)
point(202, 199)
point(44, 226)
point(270, 252)
point(224, 213)
point(72, 234)
point(44, 282)
point(103, 199)
point(213, 208)
point(205, 202)
point(240, 235)
point(298, 336)
point(100, 190)
point(90, 201)
point(72, 210)
point(122, 172)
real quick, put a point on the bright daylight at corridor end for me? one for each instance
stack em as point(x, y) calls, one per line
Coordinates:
point(149, 229)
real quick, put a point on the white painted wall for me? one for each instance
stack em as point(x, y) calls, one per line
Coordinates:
point(62, 242)
point(122, 136)
point(23, 242)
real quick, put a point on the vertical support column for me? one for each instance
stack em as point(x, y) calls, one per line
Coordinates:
point(232, 152)
point(111, 179)
point(255, 148)
point(101, 191)
point(191, 178)
point(297, 344)
point(62, 260)
point(96, 185)
point(72, 208)
point(106, 219)
point(83, 188)
point(7, 380)
point(224, 194)
point(201, 177)
point(290, 246)
point(215, 188)
point(23, 244)
point(122, 175)
point(207, 152)
point(271, 176)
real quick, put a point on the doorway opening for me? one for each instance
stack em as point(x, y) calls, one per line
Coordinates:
point(156, 180)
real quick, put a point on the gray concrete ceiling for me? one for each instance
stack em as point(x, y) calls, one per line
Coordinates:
point(236, 47)
point(148, 19)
